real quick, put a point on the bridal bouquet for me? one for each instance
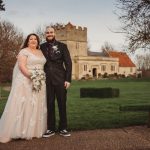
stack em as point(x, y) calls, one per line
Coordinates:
point(38, 79)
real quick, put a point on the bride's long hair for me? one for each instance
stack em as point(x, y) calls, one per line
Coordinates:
point(27, 40)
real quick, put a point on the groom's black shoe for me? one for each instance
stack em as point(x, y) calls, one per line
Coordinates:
point(48, 134)
point(64, 133)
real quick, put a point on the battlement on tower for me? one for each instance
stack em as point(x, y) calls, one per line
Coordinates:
point(70, 32)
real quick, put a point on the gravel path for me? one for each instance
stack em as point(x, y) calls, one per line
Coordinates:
point(129, 138)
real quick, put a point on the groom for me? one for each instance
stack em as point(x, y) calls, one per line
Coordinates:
point(58, 69)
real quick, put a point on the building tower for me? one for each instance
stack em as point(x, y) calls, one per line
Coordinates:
point(76, 40)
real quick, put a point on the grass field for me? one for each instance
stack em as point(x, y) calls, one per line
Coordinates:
point(94, 113)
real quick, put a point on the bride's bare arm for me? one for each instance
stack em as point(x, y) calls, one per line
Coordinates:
point(22, 61)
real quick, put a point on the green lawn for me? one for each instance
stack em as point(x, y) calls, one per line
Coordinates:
point(94, 113)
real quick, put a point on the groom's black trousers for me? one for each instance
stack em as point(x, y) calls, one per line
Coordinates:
point(59, 92)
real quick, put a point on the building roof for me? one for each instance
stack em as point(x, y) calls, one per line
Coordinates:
point(90, 53)
point(124, 60)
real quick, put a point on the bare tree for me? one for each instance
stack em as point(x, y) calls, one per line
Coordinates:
point(143, 61)
point(135, 17)
point(10, 42)
point(139, 61)
point(40, 31)
point(107, 47)
point(2, 8)
point(57, 25)
point(147, 62)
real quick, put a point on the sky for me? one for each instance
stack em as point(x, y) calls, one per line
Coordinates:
point(97, 15)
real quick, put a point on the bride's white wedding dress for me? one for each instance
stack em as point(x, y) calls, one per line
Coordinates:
point(25, 113)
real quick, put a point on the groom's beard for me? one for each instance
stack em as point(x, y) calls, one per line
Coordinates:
point(50, 41)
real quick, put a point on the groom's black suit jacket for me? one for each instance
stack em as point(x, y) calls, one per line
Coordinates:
point(58, 67)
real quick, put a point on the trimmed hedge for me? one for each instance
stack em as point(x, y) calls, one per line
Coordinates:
point(107, 92)
point(145, 108)
point(134, 108)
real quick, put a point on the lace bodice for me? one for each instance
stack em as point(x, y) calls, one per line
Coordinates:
point(33, 61)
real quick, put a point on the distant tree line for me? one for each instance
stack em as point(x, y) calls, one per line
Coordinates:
point(143, 61)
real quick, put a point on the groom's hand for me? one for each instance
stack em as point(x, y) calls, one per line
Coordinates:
point(66, 84)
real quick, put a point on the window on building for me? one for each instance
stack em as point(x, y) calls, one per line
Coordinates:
point(85, 67)
point(131, 69)
point(112, 68)
point(103, 68)
point(77, 45)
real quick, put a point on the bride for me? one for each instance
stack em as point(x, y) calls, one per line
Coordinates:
point(25, 113)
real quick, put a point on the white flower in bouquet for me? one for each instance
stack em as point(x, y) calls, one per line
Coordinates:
point(38, 79)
